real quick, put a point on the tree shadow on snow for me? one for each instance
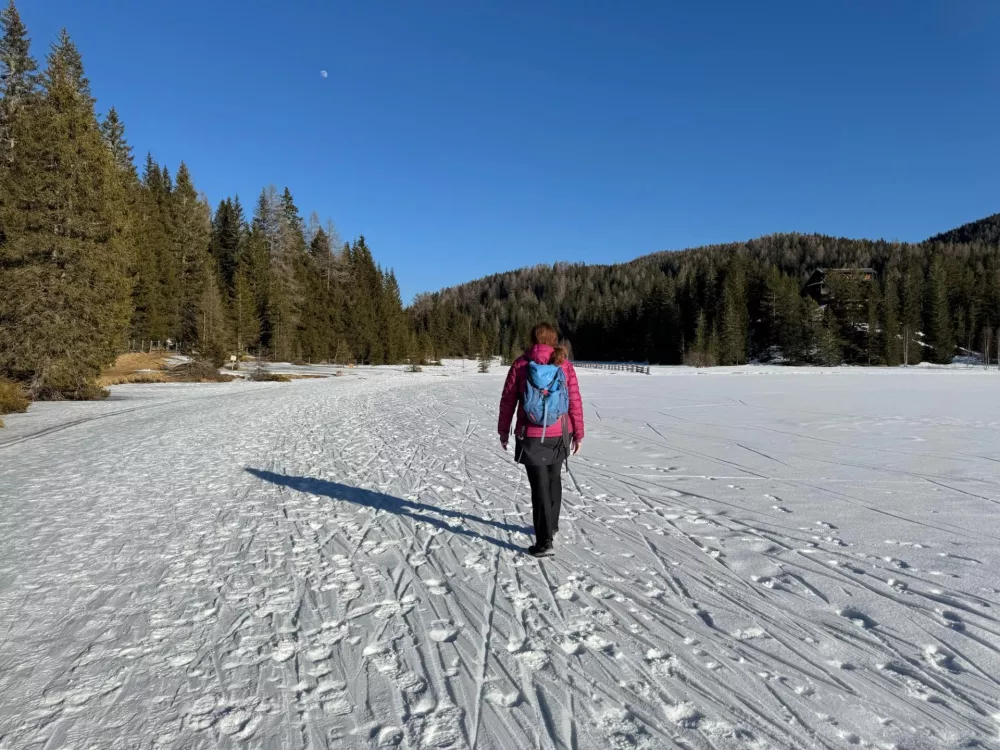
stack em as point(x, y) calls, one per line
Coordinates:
point(390, 504)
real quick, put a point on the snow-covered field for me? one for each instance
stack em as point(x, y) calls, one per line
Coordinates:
point(755, 558)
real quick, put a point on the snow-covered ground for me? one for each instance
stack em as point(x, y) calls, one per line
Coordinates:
point(749, 558)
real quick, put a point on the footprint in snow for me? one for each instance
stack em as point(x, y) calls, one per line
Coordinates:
point(319, 653)
point(334, 697)
point(534, 659)
point(182, 660)
point(941, 659)
point(388, 609)
point(240, 724)
point(501, 699)
point(443, 727)
point(204, 705)
point(383, 657)
point(389, 737)
point(858, 617)
point(283, 652)
point(436, 587)
point(622, 730)
point(571, 647)
point(411, 683)
point(749, 634)
point(660, 662)
point(684, 715)
point(566, 592)
point(952, 620)
point(444, 631)
point(600, 592)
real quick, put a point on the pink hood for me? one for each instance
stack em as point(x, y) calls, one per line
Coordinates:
point(510, 399)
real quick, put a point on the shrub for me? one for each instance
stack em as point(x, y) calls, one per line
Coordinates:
point(260, 375)
point(699, 359)
point(197, 371)
point(216, 354)
point(82, 391)
point(414, 367)
point(12, 397)
point(88, 392)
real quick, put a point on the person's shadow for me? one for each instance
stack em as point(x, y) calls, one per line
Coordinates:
point(390, 504)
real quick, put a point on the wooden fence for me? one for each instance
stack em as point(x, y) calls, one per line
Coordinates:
point(148, 345)
point(617, 366)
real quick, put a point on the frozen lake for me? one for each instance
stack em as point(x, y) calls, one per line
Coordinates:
point(749, 558)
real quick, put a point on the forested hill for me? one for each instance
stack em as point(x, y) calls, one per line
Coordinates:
point(729, 304)
point(985, 230)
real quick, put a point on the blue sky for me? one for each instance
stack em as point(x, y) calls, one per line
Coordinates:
point(468, 137)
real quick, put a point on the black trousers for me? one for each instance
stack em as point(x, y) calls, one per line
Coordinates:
point(546, 499)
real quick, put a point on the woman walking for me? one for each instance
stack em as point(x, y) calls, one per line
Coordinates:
point(542, 387)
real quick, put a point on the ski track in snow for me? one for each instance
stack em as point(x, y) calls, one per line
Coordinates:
point(780, 561)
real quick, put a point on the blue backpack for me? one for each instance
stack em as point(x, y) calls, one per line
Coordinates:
point(546, 397)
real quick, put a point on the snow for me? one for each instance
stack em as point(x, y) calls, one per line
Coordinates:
point(750, 557)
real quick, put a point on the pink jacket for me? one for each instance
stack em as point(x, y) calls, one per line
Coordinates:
point(513, 388)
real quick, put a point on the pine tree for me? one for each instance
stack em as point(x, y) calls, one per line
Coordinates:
point(214, 338)
point(397, 325)
point(62, 210)
point(912, 315)
point(277, 226)
point(784, 314)
point(156, 292)
point(18, 76)
point(413, 356)
point(703, 353)
point(228, 235)
point(246, 320)
point(113, 133)
point(734, 318)
point(829, 347)
point(872, 327)
point(485, 356)
point(659, 311)
point(190, 236)
point(319, 246)
point(891, 335)
point(938, 313)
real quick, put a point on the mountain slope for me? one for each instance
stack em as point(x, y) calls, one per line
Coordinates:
point(985, 230)
point(731, 303)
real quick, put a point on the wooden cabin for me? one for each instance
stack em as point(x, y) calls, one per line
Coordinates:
point(817, 285)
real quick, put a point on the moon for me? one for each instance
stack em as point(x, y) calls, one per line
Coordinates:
point(323, 74)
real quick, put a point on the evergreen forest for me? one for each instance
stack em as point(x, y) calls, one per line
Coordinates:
point(100, 254)
point(743, 302)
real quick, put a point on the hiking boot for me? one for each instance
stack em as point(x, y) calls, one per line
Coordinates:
point(541, 550)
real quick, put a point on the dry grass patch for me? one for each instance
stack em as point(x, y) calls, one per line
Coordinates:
point(137, 377)
point(136, 367)
point(142, 367)
point(12, 398)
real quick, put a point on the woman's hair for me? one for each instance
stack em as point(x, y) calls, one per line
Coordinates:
point(543, 333)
